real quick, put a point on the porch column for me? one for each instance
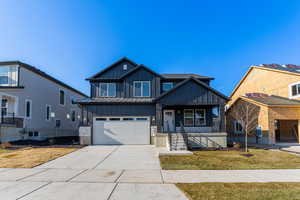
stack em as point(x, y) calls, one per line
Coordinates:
point(298, 131)
point(222, 117)
point(159, 117)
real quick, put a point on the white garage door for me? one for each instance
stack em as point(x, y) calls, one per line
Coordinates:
point(121, 130)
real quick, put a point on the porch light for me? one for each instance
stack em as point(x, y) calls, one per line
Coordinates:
point(52, 114)
point(68, 116)
point(178, 111)
point(78, 116)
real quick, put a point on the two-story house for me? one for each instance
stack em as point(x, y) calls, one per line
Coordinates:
point(129, 102)
point(271, 92)
point(35, 105)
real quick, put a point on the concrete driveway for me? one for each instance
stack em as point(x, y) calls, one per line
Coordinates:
point(136, 157)
point(94, 172)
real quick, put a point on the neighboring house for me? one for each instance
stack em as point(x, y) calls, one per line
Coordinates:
point(274, 93)
point(129, 101)
point(34, 105)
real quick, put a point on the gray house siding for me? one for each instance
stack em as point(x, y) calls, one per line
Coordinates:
point(192, 93)
point(141, 75)
point(117, 71)
point(41, 92)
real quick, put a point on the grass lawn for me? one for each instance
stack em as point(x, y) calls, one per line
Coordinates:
point(210, 160)
point(245, 191)
point(30, 157)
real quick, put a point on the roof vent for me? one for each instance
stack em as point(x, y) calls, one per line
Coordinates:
point(125, 67)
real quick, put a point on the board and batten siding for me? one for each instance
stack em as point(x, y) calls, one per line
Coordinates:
point(117, 71)
point(192, 93)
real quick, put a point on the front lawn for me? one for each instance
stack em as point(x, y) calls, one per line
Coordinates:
point(245, 191)
point(224, 160)
point(30, 157)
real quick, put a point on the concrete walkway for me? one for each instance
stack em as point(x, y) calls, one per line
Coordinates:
point(94, 172)
point(108, 157)
point(118, 172)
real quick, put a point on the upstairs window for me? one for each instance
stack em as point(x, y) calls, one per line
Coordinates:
point(141, 88)
point(167, 86)
point(107, 89)
point(4, 75)
point(62, 98)
point(295, 90)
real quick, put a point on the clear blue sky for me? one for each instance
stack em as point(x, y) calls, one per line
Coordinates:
point(73, 39)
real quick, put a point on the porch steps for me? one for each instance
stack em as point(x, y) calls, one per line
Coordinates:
point(178, 142)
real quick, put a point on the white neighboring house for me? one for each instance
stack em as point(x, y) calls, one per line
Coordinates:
point(34, 105)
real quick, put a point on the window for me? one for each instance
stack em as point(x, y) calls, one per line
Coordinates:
point(188, 117)
point(48, 112)
point(62, 97)
point(4, 75)
point(141, 88)
point(114, 119)
point(295, 90)
point(127, 119)
point(57, 123)
point(100, 119)
point(238, 127)
point(35, 133)
point(73, 116)
point(141, 119)
point(107, 89)
point(28, 108)
point(200, 117)
point(30, 134)
point(4, 107)
point(167, 86)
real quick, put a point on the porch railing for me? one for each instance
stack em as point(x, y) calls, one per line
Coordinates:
point(8, 118)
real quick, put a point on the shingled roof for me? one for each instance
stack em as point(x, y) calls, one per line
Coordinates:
point(272, 100)
point(184, 76)
point(112, 100)
point(287, 67)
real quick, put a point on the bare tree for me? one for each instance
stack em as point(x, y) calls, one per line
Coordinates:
point(247, 114)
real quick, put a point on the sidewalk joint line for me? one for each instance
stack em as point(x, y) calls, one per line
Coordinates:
point(106, 157)
point(77, 175)
point(44, 185)
point(112, 191)
point(32, 174)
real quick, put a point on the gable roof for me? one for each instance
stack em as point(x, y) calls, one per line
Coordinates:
point(198, 82)
point(184, 76)
point(288, 69)
point(124, 59)
point(138, 68)
point(43, 74)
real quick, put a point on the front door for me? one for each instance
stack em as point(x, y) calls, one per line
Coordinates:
point(169, 120)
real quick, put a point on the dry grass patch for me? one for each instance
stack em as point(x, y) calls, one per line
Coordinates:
point(245, 191)
point(226, 160)
point(30, 157)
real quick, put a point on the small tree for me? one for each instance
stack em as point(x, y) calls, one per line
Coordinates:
point(247, 114)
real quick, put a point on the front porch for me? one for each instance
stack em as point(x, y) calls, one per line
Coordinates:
point(191, 126)
point(8, 113)
point(192, 119)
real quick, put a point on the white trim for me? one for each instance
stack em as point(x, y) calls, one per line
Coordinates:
point(64, 97)
point(47, 105)
point(142, 87)
point(290, 90)
point(8, 75)
point(28, 100)
point(6, 106)
point(16, 102)
point(107, 89)
point(193, 117)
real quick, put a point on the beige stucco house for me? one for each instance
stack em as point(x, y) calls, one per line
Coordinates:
point(271, 93)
